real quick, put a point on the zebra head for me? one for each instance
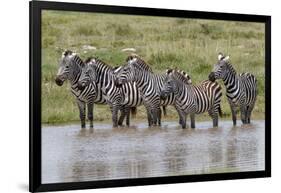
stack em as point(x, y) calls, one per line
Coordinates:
point(116, 70)
point(171, 82)
point(126, 73)
point(88, 73)
point(169, 85)
point(66, 67)
point(220, 69)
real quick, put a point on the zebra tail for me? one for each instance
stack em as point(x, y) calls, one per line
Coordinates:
point(134, 111)
point(164, 111)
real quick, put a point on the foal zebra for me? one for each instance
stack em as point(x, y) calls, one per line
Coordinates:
point(118, 98)
point(191, 99)
point(149, 84)
point(241, 90)
point(70, 68)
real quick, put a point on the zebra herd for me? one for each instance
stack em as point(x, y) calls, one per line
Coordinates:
point(128, 86)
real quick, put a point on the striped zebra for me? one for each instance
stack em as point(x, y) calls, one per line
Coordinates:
point(70, 67)
point(124, 98)
point(193, 99)
point(136, 70)
point(241, 90)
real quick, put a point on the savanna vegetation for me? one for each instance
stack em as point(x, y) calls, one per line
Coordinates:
point(189, 44)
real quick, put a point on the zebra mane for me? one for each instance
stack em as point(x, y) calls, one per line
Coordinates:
point(67, 52)
point(88, 60)
point(225, 60)
point(140, 63)
point(230, 67)
point(98, 63)
point(74, 56)
point(179, 75)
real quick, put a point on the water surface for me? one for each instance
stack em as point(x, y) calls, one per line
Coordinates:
point(72, 155)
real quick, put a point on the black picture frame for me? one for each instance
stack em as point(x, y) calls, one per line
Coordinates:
point(35, 8)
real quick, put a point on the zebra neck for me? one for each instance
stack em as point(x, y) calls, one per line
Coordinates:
point(109, 82)
point(103, 75)
point(76, 71)
point(75, 78)
point(183, 94)
point(144, 80)
point(231, 82)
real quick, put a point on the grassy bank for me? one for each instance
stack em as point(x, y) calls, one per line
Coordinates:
point(191, 45)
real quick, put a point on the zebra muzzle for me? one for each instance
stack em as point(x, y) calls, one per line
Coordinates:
point(59, 81)
point(212, 76)
point(117, 84)
point(163, 96)
point(81, 86)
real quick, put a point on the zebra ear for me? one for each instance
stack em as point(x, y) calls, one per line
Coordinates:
point(169, 70)
point(226, 58)
point(72, 55)
point(91, 62)
point(220, 56)
point(132, 61)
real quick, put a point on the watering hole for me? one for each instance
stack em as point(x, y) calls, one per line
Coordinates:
point(72, 155)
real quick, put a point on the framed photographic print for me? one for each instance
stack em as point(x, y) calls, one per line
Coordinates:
point(125, 96)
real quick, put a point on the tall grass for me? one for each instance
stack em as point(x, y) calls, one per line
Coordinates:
point(189, 44)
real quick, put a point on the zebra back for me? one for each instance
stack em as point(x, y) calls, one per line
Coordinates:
point(198, 98)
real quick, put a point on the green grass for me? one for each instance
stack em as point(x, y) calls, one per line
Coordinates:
point(189, 44)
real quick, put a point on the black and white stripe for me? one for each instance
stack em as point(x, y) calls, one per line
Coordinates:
point(121, 98)
point(241, 89)
point(150, 84)
point(193, 99)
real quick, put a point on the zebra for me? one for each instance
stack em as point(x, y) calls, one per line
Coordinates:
point(193, 99)
point(124, 98)
point(149, 84)
point(70, 67)
point(241, 90)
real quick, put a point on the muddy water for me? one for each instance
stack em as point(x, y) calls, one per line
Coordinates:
point(71, 155)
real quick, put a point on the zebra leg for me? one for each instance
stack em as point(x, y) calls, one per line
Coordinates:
point(249, 113)
point(243, 112)
point(233, 112)
point(159, 116)
point(90, 114)
point(234, 118)
point(82, 110)
point(183, 119)
point(155, 117)
point(214, 115)
point(192, 119)
point(127, 112)
point(122, 116)
point(180, 118)
point(114, 112)
point(149, 117)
